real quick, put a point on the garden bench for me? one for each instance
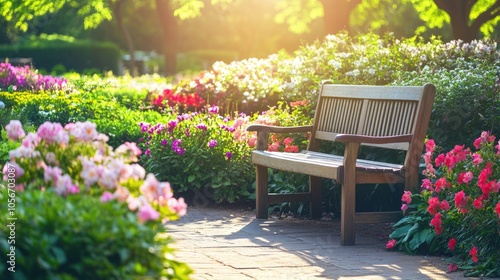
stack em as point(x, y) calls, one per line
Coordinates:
point(394, 117)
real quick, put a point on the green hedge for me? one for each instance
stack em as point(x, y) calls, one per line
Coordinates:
point(77, 56)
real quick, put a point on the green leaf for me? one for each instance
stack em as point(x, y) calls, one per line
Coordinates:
point(191, 178)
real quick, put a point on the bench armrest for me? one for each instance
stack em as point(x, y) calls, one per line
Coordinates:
point(279, 129)
point(373, 139)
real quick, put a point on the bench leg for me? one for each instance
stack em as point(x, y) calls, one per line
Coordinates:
point(316, 201)
point(261, 193)
point(348, 200)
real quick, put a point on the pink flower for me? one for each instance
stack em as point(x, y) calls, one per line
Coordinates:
point(52, 173)
point(52, 133)
point(477, 159)
point(404, 207)
point(15, 130)
point(12, 167)
point(147, 213)
point(274, 147)
point(390, 244)
point(252, 141)
point(452, 267)
point(177, 206)
point(465, 177)
point(106, 196)
point(430, 145)
point(427, 184)
point(406, 198)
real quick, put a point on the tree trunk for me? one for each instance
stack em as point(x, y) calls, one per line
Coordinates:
point(459, 12)
point(169, 26)
point(117, 8)
point(336, 14)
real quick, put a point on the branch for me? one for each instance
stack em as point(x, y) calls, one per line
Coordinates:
point(489, 14)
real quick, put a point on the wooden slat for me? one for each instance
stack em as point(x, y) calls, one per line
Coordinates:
point(373, 92)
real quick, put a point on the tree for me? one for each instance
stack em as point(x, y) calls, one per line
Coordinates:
point(467, 17)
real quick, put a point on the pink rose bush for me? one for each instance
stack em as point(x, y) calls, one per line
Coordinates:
point(75, 159)
point(457, 211)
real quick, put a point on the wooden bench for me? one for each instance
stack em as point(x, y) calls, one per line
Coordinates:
point(394, 117)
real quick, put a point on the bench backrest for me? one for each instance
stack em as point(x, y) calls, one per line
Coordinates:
point(374, 111)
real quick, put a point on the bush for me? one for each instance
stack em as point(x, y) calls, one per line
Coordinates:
point(75, 163)
point(14, 78)
point(48, 51)
point(201, 151)
point(79, 237)
point(458, 210)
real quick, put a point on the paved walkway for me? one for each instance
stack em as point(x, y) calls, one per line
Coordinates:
point(232, 244)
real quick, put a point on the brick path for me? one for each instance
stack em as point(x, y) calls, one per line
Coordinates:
point(232, 244)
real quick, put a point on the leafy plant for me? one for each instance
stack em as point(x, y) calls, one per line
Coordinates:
point(458, 209)
point(75, 163)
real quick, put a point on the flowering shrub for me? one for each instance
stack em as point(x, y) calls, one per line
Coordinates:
point(75, 160)
point(24, 78)
point(458, 208)
point(201, 151)
point(185, 102)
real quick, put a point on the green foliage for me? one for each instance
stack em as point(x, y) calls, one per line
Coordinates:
point(49, 51)
point(78, 237)
point(458, 210)
point(200, 151)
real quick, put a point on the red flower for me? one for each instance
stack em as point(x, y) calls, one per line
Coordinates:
point(445, 205)
point(439, 160)
point(452, 267)
point(478, 203)
point(473, 254)
point(390, 244)
point(292, 149)
point(441, 183)
point(434, 205)
point(460, 200)
point(452, 243)
point(437, 223)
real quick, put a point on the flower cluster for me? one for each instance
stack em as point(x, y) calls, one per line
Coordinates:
point(461, 195)
point(183, 100)
point(25, 78)
point(76, 159)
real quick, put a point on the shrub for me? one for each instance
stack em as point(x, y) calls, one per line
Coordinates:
point(458, 210)
point(18, 78)
point(79, 237)
point(75, 163)
point(201, 151)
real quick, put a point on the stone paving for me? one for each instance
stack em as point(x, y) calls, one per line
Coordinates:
point(232, 244)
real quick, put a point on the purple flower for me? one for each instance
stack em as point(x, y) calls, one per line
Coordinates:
point(148, 153)
point(144, 126)
point(213, 109)
point(172, 125)
point(164, 142)
point(229, 155)
point(212, 143)
point(201, 126)
point(187, 132)
point(176, 147)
